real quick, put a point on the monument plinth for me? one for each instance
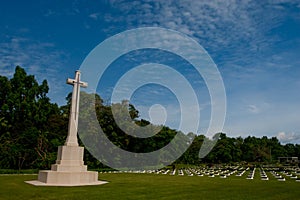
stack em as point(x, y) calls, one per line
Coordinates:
point(69, 169)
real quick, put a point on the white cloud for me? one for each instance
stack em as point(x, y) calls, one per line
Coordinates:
point(241, 37)
point(288, 137)
point(237, 27)
point(253, 109)
point(94, 16)
point(29, 54)
point(38, 58)
point(49, 13)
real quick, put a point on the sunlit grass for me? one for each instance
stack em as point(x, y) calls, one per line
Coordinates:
point(152, 186)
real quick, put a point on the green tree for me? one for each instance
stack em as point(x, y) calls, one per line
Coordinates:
point(25, 129)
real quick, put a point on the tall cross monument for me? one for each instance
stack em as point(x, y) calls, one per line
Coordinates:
point(69, 169)
point(74, 112)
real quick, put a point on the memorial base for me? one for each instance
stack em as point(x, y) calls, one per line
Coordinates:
point(69, 170)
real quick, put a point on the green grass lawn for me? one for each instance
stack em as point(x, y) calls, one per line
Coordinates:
point(152, 186)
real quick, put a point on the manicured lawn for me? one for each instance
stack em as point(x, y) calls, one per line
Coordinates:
point(152, 186)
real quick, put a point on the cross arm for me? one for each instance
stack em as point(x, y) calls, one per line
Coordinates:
point(73, 81)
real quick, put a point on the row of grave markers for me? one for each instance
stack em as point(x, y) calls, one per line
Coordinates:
point(224, 173)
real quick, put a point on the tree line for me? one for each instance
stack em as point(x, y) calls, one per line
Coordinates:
point(32, 127)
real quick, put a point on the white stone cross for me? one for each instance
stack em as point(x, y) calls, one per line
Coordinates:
point(73, 118)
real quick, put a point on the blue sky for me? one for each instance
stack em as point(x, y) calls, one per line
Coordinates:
point(255, 45)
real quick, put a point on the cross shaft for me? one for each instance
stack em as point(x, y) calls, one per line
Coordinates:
point(73, 119)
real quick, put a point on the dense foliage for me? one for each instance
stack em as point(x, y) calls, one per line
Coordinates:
point(249, 149)
point(31, 128)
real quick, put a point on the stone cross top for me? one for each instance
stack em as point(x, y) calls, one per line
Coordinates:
point(73, 118)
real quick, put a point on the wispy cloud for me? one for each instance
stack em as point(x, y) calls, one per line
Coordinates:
point(29, 54)
point(253, 109)
point(239, 36)
point(288, 137)
point(39, 58)
point(255, 45)
point(94, 15)
point(258, 108)
point(237, 28)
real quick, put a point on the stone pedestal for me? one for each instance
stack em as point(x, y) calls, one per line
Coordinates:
point(69, 170)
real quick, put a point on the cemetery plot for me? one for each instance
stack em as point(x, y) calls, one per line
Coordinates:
point(228, 172)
